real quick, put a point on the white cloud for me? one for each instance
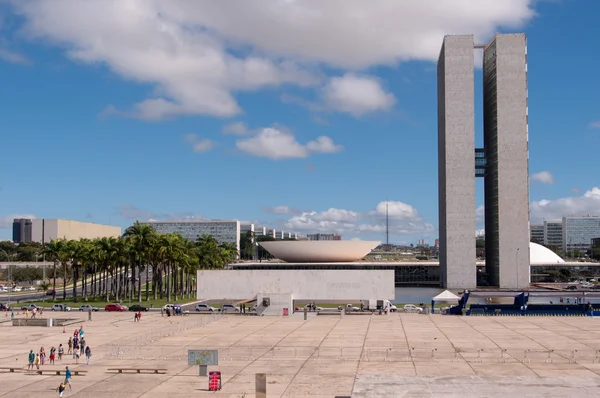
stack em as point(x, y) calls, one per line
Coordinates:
point(357, 95)
point(281, 210)
point(198, 54)
point(323, 144)
point(13, 57)
point(238, 128)
point(200, 144)
point(7, 220)
point(595, 125)
point(278, 143)
point(545, 177)
point(588, 203)
point(404, 220)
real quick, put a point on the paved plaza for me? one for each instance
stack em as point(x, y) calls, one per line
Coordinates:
point(398, 355)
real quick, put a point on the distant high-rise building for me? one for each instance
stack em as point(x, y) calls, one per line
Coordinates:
point(553, 234)
point(324, 237)
point(537, 233)
point(502, 162)
point(22, 230)
point(222, 230)
point(578, 232)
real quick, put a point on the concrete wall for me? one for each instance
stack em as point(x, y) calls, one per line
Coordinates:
point(456, 162)
point(67, 229)
point(509, 201)
point(310, 285)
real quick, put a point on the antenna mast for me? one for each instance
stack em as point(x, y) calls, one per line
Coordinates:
point(387, 224)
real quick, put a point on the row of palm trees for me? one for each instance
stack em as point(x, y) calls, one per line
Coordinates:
point(114, 265)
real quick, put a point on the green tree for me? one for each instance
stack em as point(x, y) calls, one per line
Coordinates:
point(142, 238)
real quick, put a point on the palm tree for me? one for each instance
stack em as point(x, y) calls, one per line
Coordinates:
point(53, 250)
point(229, 252)
point(171, 251)
point(77, 252)
point(209, 253)
point(142, 237)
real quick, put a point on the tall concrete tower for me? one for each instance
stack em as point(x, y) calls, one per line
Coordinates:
point(456, 145)
point(503, 162)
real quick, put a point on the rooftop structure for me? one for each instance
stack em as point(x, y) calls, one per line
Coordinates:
point(319, 251)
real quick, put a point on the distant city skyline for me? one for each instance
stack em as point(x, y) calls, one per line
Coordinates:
point(301, 117)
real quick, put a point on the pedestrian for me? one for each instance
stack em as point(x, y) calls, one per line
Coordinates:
point(37, 361)
point(70, 344)
point(68, 378)
point(139, 314)
point(75, 342)
point(76, 333)
point(31, 360)
point(135, 317)
point(60, 352)
point(88, 354)
point(33, 313)
point(26, 313)
point(61, 388)
point(77, 353)
point(81, 332)
point(52, 355)
point(43, 355)
point(82, 345)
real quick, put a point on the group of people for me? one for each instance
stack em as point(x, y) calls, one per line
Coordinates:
point(76, 347)
point(34, 311)
point(137, 316)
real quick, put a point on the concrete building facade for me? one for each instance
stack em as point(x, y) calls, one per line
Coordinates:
point(537, 233)
point(22, 230)
point(456, 145)
point(222, 230)
point(45, 230)
point(506, 146)
point(503, 162)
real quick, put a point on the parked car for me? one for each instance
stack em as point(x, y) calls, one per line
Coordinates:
point(60, 307)
point(50, 292)
point(352, 308)
point(230, 308)
point(168, 306)
point(317, 308)
point(30, 307)
point(412, 308)
point(114, 307)
point(205, 308)
point(87, 307)
point(138, 307)
point(31, 289)
point(17, 289)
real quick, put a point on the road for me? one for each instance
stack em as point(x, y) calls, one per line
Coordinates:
point(9, 297)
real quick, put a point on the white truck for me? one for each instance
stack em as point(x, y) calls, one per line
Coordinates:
point(376, 305)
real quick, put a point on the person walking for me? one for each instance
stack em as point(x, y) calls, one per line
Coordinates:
point(88, 354)
point(31, 360)
point(81, 332)
point(82, 345)
point(60, 352)
point(77, 354)
point(52, 355)
point(68, 378)
point(139, 314)
point(43, 355)
point(61, 389)
point(37, 361)
point(70, 344)
point(135, 317)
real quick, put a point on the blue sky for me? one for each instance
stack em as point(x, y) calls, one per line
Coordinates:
point(298, 115)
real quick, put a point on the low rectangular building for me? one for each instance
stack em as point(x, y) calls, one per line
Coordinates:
point(45, 230)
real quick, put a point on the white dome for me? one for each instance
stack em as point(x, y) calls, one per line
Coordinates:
point(541, 255)
point(319, 251)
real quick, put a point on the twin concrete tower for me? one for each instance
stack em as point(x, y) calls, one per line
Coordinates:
point(503, 162)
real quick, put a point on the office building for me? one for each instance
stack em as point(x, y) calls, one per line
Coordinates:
point(553, 234)
point(503, 162)
point(578, 233)
point(245, 228)
point(224, 231)
point(271, 232)
point(537, 233)
point(45, 230)
point(259, 230)
point(324, 237)
point(21, 230)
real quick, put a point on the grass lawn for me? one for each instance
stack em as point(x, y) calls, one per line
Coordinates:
point(100, 303)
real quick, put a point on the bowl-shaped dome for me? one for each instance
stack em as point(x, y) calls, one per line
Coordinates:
point(541, 255)
point(319, 251)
